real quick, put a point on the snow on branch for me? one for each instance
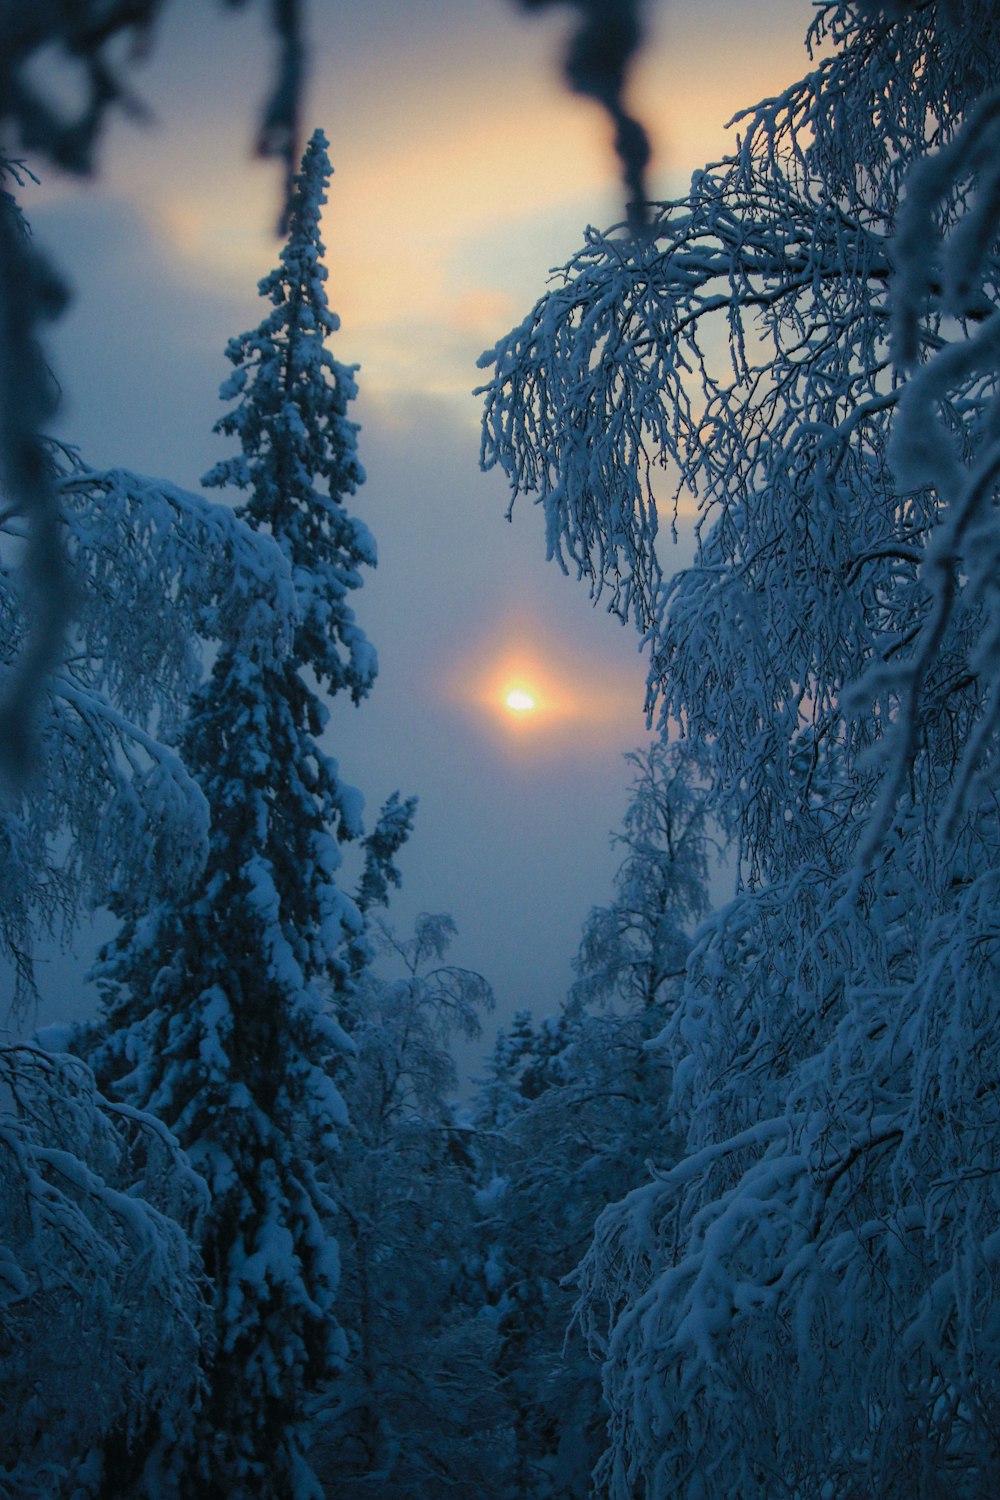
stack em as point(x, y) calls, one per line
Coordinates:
point(807, 342)
point(101, 1307)
point(84, 36)
point(947, 437)
point(158, 571)
point(742, 354)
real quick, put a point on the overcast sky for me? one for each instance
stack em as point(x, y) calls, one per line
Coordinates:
point(463, 172)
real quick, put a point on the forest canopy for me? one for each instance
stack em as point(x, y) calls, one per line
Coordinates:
point(724, 1223)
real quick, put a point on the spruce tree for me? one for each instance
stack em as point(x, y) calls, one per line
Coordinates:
point(217, 1004)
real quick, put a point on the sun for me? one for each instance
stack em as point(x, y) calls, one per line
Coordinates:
point(520, 701)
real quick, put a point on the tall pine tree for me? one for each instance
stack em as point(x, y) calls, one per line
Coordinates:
point(217, 1014)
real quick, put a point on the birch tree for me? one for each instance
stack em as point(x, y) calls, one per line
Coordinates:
point(102, 1300)
point(111, 809)
point(85, 40)
point(802, 1304)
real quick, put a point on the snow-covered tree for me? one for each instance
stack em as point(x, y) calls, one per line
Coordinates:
point(571, 1112)
point(803, 1304)
point(632, 949)
point(416, 1411)
point(217, 1014)
point(298, 449)
point(102, 1305)
point(111, 808)
point(38, 114)
point(542, 1166)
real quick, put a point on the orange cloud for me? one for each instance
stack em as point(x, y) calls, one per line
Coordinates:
point(462, 173)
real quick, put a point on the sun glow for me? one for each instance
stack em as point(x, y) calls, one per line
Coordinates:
point(534, 694)
point(516, 689)
point(520, 689)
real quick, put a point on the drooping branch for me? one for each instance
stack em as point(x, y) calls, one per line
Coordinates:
point(84, 35)
point(608, 37)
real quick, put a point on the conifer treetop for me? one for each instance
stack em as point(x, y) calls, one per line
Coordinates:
point(298, 454)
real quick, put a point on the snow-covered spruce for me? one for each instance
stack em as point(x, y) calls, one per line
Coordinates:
point(217, 1013)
